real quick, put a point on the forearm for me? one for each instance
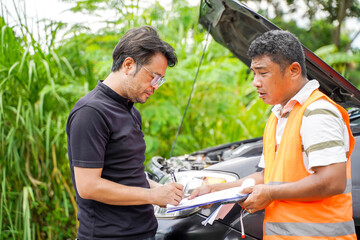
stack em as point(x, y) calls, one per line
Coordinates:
point(303, 190)
point(105, 191)
point(153, 184)
point(326, 182)
point(257, 176)
point(90, 185)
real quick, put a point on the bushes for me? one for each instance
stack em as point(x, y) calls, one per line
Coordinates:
point(40, 84)
point(37, 199)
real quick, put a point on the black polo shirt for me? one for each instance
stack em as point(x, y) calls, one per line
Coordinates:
point(104, 131)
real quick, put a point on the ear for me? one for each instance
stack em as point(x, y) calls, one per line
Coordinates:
point(295, 70)
point(128, 65)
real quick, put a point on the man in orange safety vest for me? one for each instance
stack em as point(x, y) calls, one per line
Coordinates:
point(305, 185)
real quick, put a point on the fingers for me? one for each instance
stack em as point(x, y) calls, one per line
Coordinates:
point(177, 185)
point(206, 206)
point(248, 190)
point(200, 191)
point(194, 193)
point(178, 189)
point(179, 193)
point(251, 210)
point(248, 207)
point(259, 198)
point(175, 193)
point(175, 199)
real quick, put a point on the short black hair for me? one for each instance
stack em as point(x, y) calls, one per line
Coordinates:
point(281, 46)
point(141, 44)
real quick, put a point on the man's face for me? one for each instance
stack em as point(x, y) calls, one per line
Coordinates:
point(273, 86)
point(138, 86)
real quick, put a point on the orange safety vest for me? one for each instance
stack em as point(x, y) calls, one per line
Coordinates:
point(329, 218)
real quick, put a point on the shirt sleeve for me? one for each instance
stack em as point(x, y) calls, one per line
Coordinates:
point(262, 162)
point(88, 135)
point(324, 134)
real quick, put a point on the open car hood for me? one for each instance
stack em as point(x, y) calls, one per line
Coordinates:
point(235, 26)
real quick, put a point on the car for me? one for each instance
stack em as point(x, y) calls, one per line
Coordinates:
point(235, 26)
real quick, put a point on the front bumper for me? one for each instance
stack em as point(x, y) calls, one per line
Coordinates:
point(190, 228)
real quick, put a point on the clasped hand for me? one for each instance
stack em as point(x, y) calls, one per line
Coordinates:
point(258, 199)
point(171, 193)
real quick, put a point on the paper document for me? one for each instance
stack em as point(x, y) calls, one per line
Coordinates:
point(225, 196)
point(219, 213)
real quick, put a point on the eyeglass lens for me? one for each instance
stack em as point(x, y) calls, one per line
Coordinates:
point(157, 81)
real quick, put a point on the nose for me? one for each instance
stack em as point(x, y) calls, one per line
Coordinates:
point(256, 82)
point(156, 86)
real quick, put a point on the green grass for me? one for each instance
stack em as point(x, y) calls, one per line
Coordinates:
point(33, 110)
point(40, 83)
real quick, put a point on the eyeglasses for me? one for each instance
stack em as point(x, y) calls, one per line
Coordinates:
point(157, 80)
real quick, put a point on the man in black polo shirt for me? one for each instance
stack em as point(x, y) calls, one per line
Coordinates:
point(106, 145)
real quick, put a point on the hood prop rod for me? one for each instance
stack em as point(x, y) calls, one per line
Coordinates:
point(191, 94)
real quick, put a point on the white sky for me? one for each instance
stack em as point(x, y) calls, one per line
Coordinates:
point(57, 10)
point(352, 25)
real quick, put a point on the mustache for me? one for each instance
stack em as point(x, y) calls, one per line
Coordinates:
point(149, 91)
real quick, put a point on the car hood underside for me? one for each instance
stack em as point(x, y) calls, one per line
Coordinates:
point(235, 26)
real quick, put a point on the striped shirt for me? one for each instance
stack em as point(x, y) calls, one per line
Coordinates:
point(324, 135)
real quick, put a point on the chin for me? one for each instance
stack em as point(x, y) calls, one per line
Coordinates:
point(266, 102)
point(269, 102)
point(141, 100)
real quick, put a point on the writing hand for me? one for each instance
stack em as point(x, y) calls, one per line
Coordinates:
point(171, 193)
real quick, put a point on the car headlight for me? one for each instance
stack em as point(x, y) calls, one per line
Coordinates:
point(191, 180)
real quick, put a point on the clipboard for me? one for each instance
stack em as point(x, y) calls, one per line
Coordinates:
point(231, 195)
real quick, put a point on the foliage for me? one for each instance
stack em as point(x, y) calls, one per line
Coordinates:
point(332, 12)
point(342, 59)
point(220, 110)
point(163, 112)
point(319, 30)
point(337, 11)
point(37, 89)
point(40, 84)
point(40, 81)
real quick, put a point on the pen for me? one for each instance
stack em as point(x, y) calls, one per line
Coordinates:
point(172, 175)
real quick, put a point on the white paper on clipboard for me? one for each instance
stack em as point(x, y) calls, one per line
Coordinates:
point(229, 195)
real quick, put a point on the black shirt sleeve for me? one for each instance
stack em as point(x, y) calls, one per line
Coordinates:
point(88, 135)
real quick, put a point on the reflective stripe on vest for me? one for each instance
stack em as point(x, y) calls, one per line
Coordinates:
point(310, 229)
point(327, 218)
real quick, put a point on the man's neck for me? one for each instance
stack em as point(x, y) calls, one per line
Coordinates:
point(113, 81)
point(302, 82)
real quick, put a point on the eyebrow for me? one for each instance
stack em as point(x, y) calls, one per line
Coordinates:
point(159, 74)
point(257, 68)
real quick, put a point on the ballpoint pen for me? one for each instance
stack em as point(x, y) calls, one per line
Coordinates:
point(172, 175)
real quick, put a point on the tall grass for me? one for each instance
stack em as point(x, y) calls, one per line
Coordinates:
point(39, 85)
point(35, 98)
